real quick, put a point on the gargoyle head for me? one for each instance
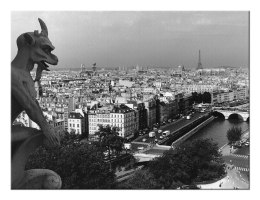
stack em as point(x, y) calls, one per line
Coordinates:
point(38, 45)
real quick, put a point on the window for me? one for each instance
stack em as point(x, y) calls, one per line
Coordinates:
point(78, 125)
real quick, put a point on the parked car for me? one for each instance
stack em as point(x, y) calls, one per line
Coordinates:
point(140, 148)
point(127, 146)
point(166, 133)
point(152, 134)
point(160, 131)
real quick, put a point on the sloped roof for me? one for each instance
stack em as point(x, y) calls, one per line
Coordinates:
point(75, 115)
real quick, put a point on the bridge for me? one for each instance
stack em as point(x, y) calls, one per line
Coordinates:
point(228, 112)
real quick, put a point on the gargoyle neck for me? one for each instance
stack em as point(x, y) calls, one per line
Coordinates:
point(22, 61)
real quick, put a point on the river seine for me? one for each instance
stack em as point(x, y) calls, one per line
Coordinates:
point(217, 130)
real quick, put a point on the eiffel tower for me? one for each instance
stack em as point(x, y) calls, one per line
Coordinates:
point(199, 63)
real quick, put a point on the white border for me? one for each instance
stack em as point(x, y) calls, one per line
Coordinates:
point(182, 5)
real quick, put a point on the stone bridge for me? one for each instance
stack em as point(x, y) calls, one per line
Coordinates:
point(227, 113)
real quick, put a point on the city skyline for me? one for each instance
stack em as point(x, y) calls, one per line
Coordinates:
point(163, 39)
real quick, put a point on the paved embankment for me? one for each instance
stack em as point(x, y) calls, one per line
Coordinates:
point(237, 168)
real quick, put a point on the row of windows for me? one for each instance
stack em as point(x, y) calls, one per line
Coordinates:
point(112, 115)
point(74, 120)
point(117, 116)
point(112, 120)
point(103, 120)
point(73, 125)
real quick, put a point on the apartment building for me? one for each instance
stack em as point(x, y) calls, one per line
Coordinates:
point(121, 116)
point(77, 122)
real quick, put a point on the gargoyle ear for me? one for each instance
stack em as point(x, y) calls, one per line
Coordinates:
point(29, 39)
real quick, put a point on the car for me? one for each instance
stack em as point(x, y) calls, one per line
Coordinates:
point(161, 137)
point(127, 146)
point(237, 146)
point(159, 131)
point(166, 133)
point(152, 134)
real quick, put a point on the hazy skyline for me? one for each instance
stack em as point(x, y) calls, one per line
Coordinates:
point(113, 39)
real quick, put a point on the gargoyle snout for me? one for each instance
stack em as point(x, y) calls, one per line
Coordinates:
point(54, 60)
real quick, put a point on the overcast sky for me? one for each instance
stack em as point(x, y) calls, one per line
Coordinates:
point(113, 39)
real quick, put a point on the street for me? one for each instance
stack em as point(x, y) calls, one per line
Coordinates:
point(237, 167)
point(233, 180)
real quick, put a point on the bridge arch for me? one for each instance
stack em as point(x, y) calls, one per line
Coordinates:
point(236, 116)
point(218, 114)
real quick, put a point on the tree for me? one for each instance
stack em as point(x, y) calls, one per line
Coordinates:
point(142, 179)
point(194, 161)
point(79, 164)
point(206, 97)
point(199, 98)
point(194, 97)
point(136, 133)
point(234, 134)
point(110, 139)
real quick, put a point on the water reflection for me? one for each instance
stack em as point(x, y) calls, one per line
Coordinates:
point(217, 129)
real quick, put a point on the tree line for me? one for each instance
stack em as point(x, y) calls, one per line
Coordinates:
point(201, 98)
point(83, 164)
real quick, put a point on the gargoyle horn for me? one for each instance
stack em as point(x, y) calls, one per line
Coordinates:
point(43, 27)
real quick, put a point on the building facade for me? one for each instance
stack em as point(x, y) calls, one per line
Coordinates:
point(77, 123)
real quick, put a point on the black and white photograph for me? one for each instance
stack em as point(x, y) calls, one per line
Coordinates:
point(130, 100)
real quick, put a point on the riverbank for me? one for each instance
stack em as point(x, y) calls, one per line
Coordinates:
point(217, 130)
point(226, 150)
point(234, 178)
point(232, 181)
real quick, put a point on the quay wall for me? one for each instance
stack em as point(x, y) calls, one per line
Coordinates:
point(192, 132)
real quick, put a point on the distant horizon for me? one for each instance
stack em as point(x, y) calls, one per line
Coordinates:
point(145, 38)
point(52, 68)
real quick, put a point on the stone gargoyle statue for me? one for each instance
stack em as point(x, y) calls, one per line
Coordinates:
point(33, 48)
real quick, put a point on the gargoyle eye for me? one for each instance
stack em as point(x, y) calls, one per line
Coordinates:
point(47, 49)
